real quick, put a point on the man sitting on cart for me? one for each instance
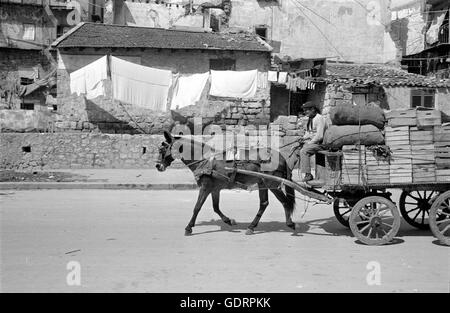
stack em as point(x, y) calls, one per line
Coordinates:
point(312, 140)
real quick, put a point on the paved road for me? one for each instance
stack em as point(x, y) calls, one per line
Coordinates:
point(134, 241)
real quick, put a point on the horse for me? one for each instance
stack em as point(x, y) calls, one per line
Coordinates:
point(213, 182)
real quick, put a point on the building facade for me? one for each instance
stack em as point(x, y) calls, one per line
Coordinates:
point(27, 29)
point(182, 52)
point(434, 57)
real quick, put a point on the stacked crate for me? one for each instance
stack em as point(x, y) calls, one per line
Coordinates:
point(442, 151)
point(378, 170)
point(423, 157)
point(402, 118)
point(428, 118)
point(353, 165)
point(400, 170)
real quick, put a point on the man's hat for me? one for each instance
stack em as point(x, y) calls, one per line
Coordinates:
point(309, 105)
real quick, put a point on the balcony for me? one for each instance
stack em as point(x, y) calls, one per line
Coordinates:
point(444, 35)
point(52, 3)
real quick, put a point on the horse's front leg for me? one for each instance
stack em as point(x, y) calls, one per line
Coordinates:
point(203, 194)
point(287, 209)
point(215, 195)
point(263, 203)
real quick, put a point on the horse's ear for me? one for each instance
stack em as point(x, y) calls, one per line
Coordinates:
point(168, 136)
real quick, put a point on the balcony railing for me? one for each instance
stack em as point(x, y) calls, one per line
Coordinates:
point(52, 3)
point(444, 34)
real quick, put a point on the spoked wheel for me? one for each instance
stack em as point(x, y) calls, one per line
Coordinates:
point(374, 220)
point(342, 211)
point(440, 218)
point(415, 206)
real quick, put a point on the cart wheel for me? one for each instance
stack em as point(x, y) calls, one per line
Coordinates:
point(415, 206)
point(342, 211)
point(374, 220)
point(440, 218)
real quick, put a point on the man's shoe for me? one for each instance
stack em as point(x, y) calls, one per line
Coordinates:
point(308, 177)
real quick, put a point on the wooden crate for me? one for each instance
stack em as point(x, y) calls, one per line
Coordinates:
point(404, 113)
point(397, 137)
point(423, 173)
point(441, 133)
point(443, 175)
point(393, 131)
point(420, 137)
point(442, 163)
point(428, 118)
point(354, 171)
point(442, 151)
point(423, 154)
point(401, 157)
point(400, 118)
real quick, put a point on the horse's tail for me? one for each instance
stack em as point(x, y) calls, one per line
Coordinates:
point(290, 192)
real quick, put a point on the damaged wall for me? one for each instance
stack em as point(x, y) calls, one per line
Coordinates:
point(408, 24)
point(354, 31)
point(106, 115)
point(25, 27)
point(13, 63)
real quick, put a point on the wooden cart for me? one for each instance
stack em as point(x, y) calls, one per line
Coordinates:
point(368, 209)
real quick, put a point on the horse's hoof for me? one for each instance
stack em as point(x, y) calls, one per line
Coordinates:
point(188, 232)
point(233, 222)
point(291, 226)
point(249, 231)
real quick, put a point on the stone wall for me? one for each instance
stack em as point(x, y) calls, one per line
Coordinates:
point(44, 151)
point(74, 150)
point(26, 120)
point(336, 94)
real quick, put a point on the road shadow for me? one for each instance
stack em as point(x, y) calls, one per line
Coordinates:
point(263, 227)
point(437, 242)
point(329, 225)
point(318, 227)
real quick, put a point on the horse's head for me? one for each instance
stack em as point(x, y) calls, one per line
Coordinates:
point(165, 157)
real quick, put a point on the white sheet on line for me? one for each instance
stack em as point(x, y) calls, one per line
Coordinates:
point(140, 85)
point(234, 84)
point(188, 89)
point(89, 80)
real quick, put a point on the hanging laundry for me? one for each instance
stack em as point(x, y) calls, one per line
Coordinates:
point(262, 80)
point(89, 79)
point(234, 84)
point(282, 77)
point(273, 76)
point(188, 90)
point(140, 85)
point(78, 82)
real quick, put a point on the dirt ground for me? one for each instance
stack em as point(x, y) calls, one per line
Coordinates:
point(134, 241)
point(39, 176)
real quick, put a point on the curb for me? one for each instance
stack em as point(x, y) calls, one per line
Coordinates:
point(126, 186)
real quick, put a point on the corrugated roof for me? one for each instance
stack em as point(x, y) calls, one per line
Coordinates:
point(380, 74)
point(117, 36)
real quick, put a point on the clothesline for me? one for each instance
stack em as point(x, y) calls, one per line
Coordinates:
point(153, 88)
point(137, 80)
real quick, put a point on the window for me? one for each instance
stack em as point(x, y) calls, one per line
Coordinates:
point(26, 81)
point(261, 31)
point(360, 98)
point(422, 97)
point(222, 64)
point(29, 31)
point(27, 106)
